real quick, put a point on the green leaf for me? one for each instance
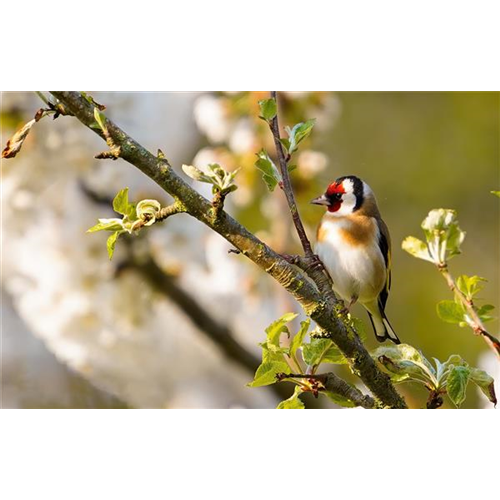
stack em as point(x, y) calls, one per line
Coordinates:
point(485, 383)
point(457, 384)
point(455, 360)
point(298, 133)
point(454, 240)
point(450, 312)
point(440, 367)
point(298, 339)
point(107, 225)
point(272, 353)
point(483, 311)
point(100, 118)
point(470, 285)
point(267, 371)
point(196, 174)
point(293, 402)
point(275, 329)
point(268, 109)
point(322, 350)
point(286, 143)
point(314, 351)
point(270, 172)
point(339, 400)
point(496, 193)
point(417, 248)
point(120, 203)
point(148, 209)
point(111, 243)
point(404, 362)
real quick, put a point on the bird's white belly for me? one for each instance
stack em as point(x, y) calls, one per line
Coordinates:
point(357, 271)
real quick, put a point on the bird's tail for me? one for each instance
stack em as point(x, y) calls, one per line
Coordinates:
point(381, 326)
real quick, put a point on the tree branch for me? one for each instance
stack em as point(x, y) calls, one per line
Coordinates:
point(330, 382)
point(292, 279)
point(476, 325)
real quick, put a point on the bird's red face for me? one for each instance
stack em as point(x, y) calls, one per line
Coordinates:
point(332, 198)
point(344, 196)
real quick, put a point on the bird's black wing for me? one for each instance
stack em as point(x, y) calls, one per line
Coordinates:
point(384, 242)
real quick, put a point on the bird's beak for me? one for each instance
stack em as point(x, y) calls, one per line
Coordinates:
point(321, 200)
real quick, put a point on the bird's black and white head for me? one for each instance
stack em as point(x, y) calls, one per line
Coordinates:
point(345, 196)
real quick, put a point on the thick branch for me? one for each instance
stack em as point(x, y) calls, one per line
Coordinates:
point(294, 280)
point(333, 383)
point(477, 325)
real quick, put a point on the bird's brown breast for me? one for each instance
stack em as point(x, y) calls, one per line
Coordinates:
point(355, 230)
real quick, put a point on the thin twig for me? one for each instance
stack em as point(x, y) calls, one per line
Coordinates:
point(287, 184)
point(477, 325)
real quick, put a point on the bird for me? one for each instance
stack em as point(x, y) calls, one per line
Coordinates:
point(354, 245)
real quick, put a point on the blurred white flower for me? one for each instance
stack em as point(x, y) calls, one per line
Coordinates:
point(489, 363)
point(329, 113)
point(311, 163)
point(211, 118)
point(205, 156)
point(243, 138)
point(294, 94)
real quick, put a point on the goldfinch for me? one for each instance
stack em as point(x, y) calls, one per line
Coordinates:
point(354, 244)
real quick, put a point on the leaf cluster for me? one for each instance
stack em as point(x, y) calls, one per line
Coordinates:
point(222, 182)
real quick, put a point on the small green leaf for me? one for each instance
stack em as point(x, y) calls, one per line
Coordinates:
point(403, 362)
point(268, 109)
point(298, 339)
point(196, 174)
point(293, 402)
point(275, 329)
point(322, 351)
point(439, 369)
point(107, 225)
point(270, 172)
point(111, 243)
point(417, 248)
point(450, 312)
point(339, 400)
point(470, 285)
point(148, 209)
point(485, 383)
point(298, 133)
point(100, 118)
point(266, 373)
point(496, 193)
point(457, 384)
point(483, 311)
point(120, 202)
point(286, 143)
